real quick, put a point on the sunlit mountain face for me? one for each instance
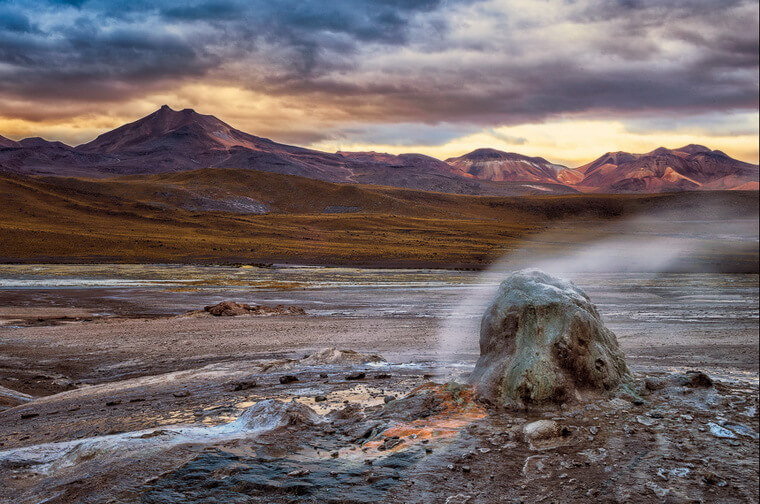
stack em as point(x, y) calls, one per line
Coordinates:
point(562, 81)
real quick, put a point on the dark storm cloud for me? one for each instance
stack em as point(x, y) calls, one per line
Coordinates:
point(103, 49)
point(477, 62)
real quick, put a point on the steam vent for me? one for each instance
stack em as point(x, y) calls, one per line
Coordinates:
point(542, 342)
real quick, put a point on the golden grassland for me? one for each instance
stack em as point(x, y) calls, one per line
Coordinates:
point(160, 219)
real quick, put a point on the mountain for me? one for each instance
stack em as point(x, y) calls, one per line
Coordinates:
point(175, 141)
point(7, 142)
point(692, 167)
point(169, 141)
point(495, 165)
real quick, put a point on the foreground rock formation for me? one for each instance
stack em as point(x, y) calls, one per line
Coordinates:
point(233, 309)
point(542, 341)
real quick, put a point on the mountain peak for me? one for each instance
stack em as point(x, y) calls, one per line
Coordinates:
point(500, 166)
point(693, 149)
point(207, 129)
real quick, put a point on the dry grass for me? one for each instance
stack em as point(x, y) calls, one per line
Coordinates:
point(142, 219)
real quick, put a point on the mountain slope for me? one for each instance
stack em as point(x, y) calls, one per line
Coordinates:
point(7, 142)
point(692, 167)
point(169, 141)
point(495, 165)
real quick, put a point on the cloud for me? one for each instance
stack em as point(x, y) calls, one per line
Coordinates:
point(396, 72)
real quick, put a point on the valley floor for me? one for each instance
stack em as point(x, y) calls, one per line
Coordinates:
point(136, 409)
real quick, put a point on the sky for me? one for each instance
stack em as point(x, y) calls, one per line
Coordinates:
point(564, 79)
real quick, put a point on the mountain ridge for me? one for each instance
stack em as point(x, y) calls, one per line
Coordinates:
point(169, 140)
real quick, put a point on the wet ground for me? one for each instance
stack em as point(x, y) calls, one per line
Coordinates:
point(109, 394)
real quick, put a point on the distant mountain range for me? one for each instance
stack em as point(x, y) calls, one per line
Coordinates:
point(177, 141)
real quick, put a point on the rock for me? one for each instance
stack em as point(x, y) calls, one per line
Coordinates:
point(356, 376)
point(458, 499)
point(285, 379)
point(298, 473)
point(743, 430)
point(382, 376)
point(335, 356)
point(645, 420)
point(320, 398)
point(658, 490)
point(720, 432)
point(228, 309)
point(711, 478)
point(695, 379)
point(690, 379)
point(543, 342)
point(181, 393)
point(271, 413)
point(243, 385)
point(388, 398)
point(232, 309)
point(116, 402)
point(541, 429)
point(389, 443)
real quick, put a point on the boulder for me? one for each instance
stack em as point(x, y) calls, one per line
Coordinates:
point(334, 356)
point(232, 309)
point(541, 429)
point(542, 342)
point(228, 309)
point(272, 414)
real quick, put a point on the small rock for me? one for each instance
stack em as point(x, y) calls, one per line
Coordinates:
point(696, 379)
point(541, 429)
point(388, 399)
point(335, 454)
point(594, 430)
point(115, 402)
point(658, 490)
point(458, 499)
point(356, 376)
point(711, 478)
point(298, 472)
point(285, 379)
point(179, 393)
point(320, 398)
point(466, 468)
point(382, 376)
point(720, 432)
point(391, 443)
point(645, 421)
point(243, 385)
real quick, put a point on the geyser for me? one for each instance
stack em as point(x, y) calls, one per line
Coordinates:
point(542, 342)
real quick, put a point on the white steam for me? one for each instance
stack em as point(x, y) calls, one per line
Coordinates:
point(705, 239)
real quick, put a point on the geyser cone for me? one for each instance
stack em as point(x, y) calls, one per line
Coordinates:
point(542, 341)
